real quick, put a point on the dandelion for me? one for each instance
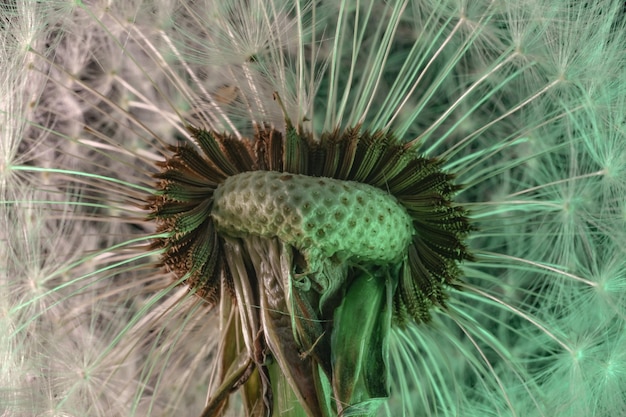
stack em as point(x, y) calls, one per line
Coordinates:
point(300, 208)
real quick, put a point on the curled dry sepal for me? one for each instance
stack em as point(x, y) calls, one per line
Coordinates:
point(322, 245)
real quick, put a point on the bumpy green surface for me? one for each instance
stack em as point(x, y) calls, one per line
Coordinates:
point(346, 218)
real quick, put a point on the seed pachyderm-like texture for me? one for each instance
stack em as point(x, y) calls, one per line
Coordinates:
point(324, 215)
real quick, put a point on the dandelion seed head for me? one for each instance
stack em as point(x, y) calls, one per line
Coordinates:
point(267, 203)
point(196, 194)
point(520, 100)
